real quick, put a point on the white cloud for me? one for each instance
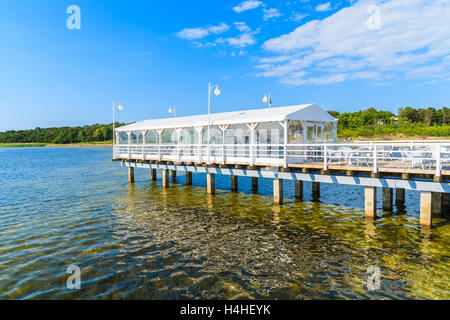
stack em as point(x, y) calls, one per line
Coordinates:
point(223, 27)
point(241, 26)
point(323, 7)
point(247, 5)
point(298, 16)
point(271, 13)
point(201, 32)
point(411, 43)
point(240, 41)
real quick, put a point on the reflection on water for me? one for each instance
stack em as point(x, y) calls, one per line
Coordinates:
point(72, 206)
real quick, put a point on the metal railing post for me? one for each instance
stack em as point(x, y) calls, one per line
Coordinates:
point(375, 159)
point(438, 160)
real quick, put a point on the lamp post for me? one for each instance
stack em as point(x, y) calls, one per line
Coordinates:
point(216, 92)
point(173, 110)
point(120, 107)
point(267, 99)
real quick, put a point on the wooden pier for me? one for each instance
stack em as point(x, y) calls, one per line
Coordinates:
point(295, 143)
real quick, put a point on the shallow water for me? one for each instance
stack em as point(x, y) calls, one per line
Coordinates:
point(62, 206)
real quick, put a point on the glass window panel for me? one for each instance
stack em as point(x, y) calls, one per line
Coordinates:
point(269, 133)
point(123, 138)
point(188, 136)
point(215, 135)
point(151, 137)
point(295, 132)
point(238, 134)
point(136, 137)
point(311, 137)
point(319, 137)
point(169, 136)
point(329, 132)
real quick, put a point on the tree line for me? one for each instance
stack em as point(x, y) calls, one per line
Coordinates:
point(408, 122)
point(60, 135)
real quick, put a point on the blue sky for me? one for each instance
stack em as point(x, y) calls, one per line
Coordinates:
point(343, 55)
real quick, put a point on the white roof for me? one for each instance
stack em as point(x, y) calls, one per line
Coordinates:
point(309, 112)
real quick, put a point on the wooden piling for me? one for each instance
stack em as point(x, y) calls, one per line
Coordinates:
point(234, 183)
point(188, 178)
point(278, 191)
point(174, 176)
point(255, 184)
point(298, 189)
point(370, 206)
point(153, 174)
point(400, 197)
point(165, 178)
point(316, 189)
point(388, 195)
point(210, 183)
point(131, 174)
point(436, 204)
point(446, 204)
point(426, 199)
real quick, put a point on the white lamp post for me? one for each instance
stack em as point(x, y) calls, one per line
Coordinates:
point(267, 99)
point(173, 110)
point(120, 107)
point(216, 92)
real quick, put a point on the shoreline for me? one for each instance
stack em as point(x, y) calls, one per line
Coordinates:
point(53, 145)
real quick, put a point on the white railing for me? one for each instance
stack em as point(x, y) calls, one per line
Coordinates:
point(373, 156)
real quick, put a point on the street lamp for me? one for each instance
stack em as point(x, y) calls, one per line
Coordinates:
point(267, 99)
point(216, 92)
point(173, 110)
point(120, 107)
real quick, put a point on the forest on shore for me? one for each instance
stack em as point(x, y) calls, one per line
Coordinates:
point(369, 123)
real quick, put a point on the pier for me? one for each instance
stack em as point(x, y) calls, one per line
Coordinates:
point(288, 143)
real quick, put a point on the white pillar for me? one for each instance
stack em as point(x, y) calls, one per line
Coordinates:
point(210, 183)
point(278, 191)
point(131, 174)
point(426, 199)
point(370, 202)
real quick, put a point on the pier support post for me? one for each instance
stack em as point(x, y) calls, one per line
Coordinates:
point(388, 195)
point(165, 178)
point(370, 206)
point(425, 208)
point(298, 189)
point(210, 183)
point(255, 184)
point(446, 204)
point(174, 176)
point(400, 197)
point(131, 174)
point(436, 204)
point(188, 178)
point(278, 191)
point(153, 174)
point(234, 183)
point(316, 189)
